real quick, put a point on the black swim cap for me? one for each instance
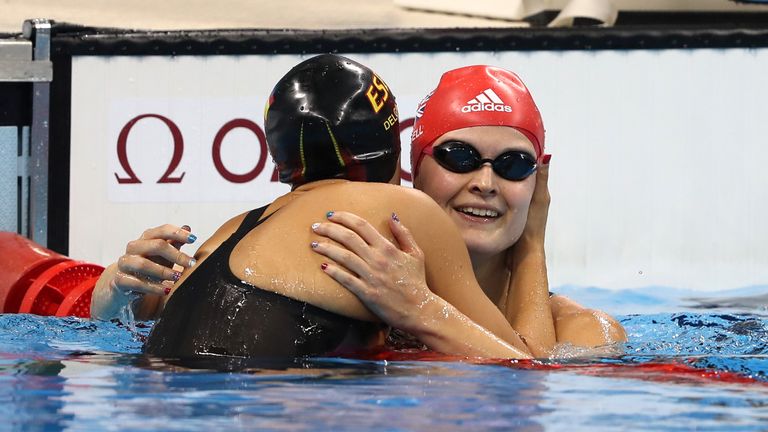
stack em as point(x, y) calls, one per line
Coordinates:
point(331, 117)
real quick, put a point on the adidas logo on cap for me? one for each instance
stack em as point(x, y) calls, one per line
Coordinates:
point(488, 100)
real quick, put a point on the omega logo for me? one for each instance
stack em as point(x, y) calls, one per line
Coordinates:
point(172, 176)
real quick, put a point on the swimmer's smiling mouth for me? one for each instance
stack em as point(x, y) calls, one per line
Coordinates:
point(478, 212)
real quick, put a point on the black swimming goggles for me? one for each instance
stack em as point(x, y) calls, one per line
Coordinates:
point(460, 157)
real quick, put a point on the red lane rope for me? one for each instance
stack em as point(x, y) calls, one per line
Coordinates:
point(666, 372)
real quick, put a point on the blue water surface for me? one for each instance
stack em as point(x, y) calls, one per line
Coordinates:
point(702, 369)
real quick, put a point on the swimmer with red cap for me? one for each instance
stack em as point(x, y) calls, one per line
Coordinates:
point(478, 151)
point(475, 96)
point(258, 288)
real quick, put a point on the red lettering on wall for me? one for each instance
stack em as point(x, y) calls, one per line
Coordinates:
point(122, 153)
point(178, 151)
point(216, 151)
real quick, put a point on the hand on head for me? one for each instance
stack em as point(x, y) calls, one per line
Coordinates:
point(538, 211)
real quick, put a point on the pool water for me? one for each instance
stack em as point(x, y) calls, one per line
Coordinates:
point(703, 369)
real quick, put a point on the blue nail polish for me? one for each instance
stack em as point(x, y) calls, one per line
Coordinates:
point(191, 238)
point(192, 262)
point(329, 214)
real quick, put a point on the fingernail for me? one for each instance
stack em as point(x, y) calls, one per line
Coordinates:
point(323, 266)
point(315, 226)
point(186, 228)
point(167, 290)
point(546, 158)
point(314, 244)
point(176, 276)
point(191, 238)
point(192, 262)
point(394, 217)
point(329, 214)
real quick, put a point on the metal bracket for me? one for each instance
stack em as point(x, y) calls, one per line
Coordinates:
point(16, 63)
point(39, 32)
point(27, 60)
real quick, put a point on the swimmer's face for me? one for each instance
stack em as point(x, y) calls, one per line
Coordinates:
point(490, 212)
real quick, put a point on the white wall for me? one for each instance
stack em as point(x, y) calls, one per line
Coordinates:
point(657, 175)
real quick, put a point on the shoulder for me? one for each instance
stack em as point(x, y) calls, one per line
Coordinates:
point(583, 326)
point(390, 192)
point(221, 234)
point(410, 203)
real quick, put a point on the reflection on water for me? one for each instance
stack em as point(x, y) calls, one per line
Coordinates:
point(747, 304)
point(679, 371)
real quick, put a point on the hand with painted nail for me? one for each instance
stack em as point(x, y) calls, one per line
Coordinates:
point(387, 276)
point(538, 211)
point(526, 304)
point(150, 266)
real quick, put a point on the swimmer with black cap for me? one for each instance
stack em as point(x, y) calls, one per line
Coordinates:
point(258, 290)
point(328, 118)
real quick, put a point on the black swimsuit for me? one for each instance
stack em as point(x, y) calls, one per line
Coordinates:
point(214, 313)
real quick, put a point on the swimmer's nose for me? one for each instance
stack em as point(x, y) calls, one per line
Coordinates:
point(483, 180)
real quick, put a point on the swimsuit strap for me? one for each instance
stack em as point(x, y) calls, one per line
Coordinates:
point(251, 221)
point(223, 253)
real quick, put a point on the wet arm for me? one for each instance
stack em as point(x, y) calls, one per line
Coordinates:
point(527, 305)
point(442, 327)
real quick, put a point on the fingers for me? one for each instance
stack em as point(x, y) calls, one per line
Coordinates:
point(404, 237)
point(160, 248)
point(143, 268)
point(542, 180)
point(345, 279)
point(126, 283)
point(345, 236)
point(359, 226)
point(538, 211)
point(363, 240)
point(190, 238)
point(342, 257)
point(173, 233)
point(543, 168)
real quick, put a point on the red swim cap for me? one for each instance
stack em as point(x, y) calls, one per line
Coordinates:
point(475, 96)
